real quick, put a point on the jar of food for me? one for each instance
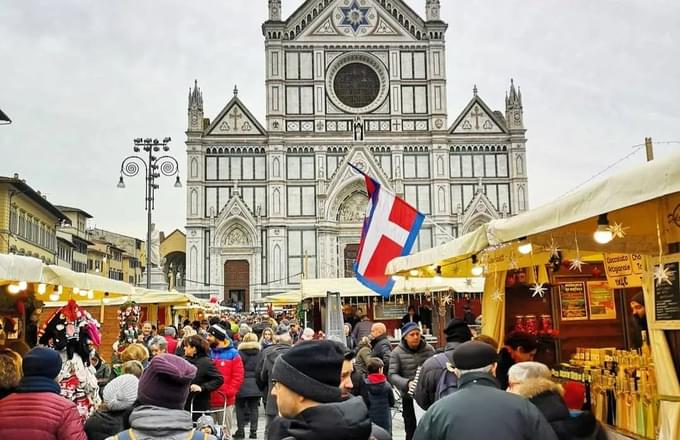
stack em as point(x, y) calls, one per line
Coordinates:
point(519, 323)
point(530, 324)
point(546, 324)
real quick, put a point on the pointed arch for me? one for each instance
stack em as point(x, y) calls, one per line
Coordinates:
point(521, 198)
point(440, 166)
point(277, 271)
point(193, 263)
point(519, 165)
point(193, 202)
point(276, 201)
point(441, 199)
point(194, 167)
point(276, 167)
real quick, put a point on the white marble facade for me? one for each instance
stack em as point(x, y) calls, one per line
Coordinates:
point(360, 81)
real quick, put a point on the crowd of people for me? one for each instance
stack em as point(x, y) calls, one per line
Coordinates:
point(190, 383)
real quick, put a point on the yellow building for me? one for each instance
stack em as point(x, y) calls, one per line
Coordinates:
point(28, 222)
point(173, 252)
point(133, 252)
point(105, 259)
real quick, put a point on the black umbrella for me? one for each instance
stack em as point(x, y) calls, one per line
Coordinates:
point(4, 119)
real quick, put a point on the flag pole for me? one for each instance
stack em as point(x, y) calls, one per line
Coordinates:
point(438, 226)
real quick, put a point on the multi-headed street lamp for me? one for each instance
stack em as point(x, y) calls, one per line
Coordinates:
point(154, 166)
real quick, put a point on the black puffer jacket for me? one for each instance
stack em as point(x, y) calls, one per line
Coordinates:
point(250, 354)
point(379, 398)
point(263, 373)
point(104, 424)
point(382, 349)
point(208, 378)
point(404, 362)
point(430, 374)
point(331, 421)
point(547, 396)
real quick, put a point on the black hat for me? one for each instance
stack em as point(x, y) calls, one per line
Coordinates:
point(474, 354)
point(312, 369)
point(218, 332)
point(457, 331)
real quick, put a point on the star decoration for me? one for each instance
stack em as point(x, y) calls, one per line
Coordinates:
point(662, 274)
point(354, 16)
point(497, 296)
point(538, 290)
point(554, 248)
point(448, 299)
point(468, 282)
point(576, 264)
point(618, 230)
point(513, 262)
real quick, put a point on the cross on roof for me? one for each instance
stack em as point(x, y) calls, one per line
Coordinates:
point(235, 115)
point(476, 114)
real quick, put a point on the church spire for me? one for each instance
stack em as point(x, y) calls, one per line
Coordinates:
point(514, 99)
point(275, 10)
point(514, 114)
point(195, 97)
point(432, 10)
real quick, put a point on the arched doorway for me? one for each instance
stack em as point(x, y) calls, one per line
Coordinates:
point(237, 284)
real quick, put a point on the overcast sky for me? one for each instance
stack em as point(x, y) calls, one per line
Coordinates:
point(82, 78)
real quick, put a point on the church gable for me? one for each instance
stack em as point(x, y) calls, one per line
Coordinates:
point(479, 211)
point(362, 159)
point(477, 118)
point(235, 225)
point(235, 120)
point(355, 19)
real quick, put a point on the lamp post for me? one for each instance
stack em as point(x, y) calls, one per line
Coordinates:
point(154, 166)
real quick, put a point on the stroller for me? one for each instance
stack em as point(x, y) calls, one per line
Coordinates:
point(207, 421)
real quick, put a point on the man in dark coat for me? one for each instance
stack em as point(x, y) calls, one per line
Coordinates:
point(457, 332)
point(263, 372)
point(411, 353)
point(479, 410)
point(381, 347)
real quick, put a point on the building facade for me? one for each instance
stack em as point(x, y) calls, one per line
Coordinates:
point(76, 233)
point(347, 81)
point(127, 255)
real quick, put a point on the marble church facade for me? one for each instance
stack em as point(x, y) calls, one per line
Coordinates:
point(360, 81)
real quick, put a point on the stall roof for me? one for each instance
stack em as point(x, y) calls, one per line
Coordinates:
point(19, 268)
point(350, 287)
point(291, 297)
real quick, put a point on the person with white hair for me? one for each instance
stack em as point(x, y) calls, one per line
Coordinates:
point(157, 345)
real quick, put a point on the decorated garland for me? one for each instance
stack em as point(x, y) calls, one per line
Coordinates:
point(129, 314)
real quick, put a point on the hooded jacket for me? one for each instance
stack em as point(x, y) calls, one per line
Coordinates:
point(263, 374)
point(103, 424)
point(208, 378)
point(404, 363)
point(250, 354)
point(331, 421)
point(430, 374)
point(479, 410)
point(230, 366)
point(155, 423)
point(547, 396)
point(379, 399)
point(36, 411)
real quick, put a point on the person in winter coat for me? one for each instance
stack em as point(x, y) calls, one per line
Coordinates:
point(457, 332)
point(363, 355)
point(169, 333)
point(207, 379)
point(381, 347)
point(531, 380)
point(267, 338)
point(307, 389)
point(362, 328)
point(118, 397)
point(248, 397)
point(411, 353)
point(349, 340)
point(378, 396)
point(263, 374)
point(229, 364)
point(103, 370)
point(36, 411)
point(10, 371)
point(161, 395)
point(479, 410)
point(519, 347)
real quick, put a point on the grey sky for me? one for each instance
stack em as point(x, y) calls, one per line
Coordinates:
point(82, 78)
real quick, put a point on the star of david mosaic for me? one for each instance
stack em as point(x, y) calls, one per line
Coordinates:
point(354, 16)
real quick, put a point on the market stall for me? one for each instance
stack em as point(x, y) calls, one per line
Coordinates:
point(585, 255)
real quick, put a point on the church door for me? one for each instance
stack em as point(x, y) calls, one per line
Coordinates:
point(237, 284)
point(351, 251)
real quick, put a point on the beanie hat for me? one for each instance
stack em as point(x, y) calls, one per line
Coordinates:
point(408, 328)
point(457, 331)
point(121, 392)
point(474, 354)
point(639, 298)
point(165, 382)
point(312, 369)
point(244, 329)
point(218, 332)
point(43, 362)
point(574, 394)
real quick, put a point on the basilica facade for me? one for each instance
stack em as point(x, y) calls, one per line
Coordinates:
point(347, 81)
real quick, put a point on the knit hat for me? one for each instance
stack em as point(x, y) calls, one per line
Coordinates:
point(244, 329)
point(218, 332)
point(408, 328)
point(43, 362)
point(121, 392)
point(165, 382)
point(474, 354)
point(457, 331)
point(312, 369)
point(574, 394)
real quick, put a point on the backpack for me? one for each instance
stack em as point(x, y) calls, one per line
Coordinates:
point(448, 381)
point(128, 435)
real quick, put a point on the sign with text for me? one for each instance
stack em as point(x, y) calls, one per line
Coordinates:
point(623, 270)
point(601, 303)
point(667, 295)
point(573, 301)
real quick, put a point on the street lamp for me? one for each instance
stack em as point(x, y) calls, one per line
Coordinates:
point(166, 164)
point(4, 119)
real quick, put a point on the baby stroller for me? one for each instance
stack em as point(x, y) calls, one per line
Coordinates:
point(208, 421)
point(208, 425)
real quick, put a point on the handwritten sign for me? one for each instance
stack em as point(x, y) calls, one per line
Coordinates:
point(389, 311)
point(601, 303)
point(573, 301)
point(667, 296)
point(623, 270)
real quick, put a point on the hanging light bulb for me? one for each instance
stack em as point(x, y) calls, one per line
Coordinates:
point(23, 285)
point(414, 272)
point(54, 297)
point(477, 270)
point(13, 289)
point(76, 290)
point(42, 288)
point(524, 247)
point(603, 234)
point(60, 289)
point(90, 294)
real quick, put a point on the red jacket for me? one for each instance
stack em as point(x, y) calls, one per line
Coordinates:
point(39, 416)
point(172, 344)
point(229, 364)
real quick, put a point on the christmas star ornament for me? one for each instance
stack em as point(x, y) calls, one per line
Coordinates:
point(448, 299)
point(618, 230)
point(576, 264)
point(662, 275)
point(468, 282)
point(554, 248)
point(538, 290)
point(497, 296)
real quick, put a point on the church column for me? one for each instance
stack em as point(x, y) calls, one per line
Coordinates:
point(517, 166)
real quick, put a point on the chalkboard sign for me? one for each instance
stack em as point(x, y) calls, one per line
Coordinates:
point(667, 295)
point(389, 311)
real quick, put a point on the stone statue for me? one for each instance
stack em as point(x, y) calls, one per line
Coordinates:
point(155, 256)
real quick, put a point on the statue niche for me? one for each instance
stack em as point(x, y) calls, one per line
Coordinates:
point(353, 208)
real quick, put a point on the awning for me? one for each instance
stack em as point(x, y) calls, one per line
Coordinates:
point(291, 297)
point(100, 286)
point(350, 287)
point(14, 268)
